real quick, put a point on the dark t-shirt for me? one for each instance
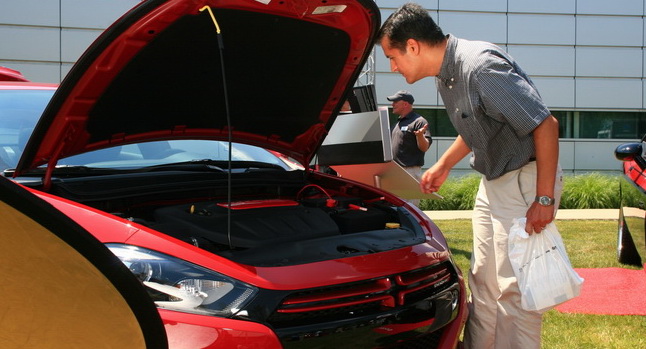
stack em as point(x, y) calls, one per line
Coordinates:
point(404, 143)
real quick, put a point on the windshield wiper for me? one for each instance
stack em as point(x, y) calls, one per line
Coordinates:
point(71, 170)
point(212, 165)
point(193, 165)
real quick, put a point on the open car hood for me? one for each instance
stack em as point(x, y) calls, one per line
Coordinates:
point(271, 73)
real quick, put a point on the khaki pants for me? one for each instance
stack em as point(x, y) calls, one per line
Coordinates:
point(496, 319)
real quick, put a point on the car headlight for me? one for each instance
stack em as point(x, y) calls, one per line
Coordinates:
point(178, 285)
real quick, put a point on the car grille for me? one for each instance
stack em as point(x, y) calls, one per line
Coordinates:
point(425, 341)
point(363, 298)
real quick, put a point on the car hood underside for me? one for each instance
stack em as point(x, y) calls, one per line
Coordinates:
point(180, 69)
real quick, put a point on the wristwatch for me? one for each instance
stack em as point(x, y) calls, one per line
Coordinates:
point(544, 200)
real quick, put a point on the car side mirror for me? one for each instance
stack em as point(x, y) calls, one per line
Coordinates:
point(631, 152)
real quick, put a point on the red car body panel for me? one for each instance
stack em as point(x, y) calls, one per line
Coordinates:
point(189, 331)
point(635, 174)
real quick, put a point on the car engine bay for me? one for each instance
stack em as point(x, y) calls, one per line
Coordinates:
point(271, 220)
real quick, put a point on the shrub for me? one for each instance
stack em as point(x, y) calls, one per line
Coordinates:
point(590, 190)
point(459, 194)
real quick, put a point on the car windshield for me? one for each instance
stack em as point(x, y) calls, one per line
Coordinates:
point(160, 153)
point(19, 112)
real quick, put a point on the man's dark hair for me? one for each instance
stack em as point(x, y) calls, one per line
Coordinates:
point(410, 21)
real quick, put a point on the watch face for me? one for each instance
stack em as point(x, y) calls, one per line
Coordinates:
point(545, 200)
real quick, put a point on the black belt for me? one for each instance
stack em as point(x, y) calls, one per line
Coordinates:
point(532, 159)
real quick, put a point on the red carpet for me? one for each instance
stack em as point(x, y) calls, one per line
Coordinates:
point(609, 291)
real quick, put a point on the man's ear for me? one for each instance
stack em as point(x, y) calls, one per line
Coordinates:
point(412, 46)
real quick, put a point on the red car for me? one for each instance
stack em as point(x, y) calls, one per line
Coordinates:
point(631, 242)
point(8, 74)
point(161, 143)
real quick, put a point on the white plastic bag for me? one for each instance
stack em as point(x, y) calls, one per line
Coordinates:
point(541, 265)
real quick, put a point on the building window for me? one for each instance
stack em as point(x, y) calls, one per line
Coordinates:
point(438, 122)
point(601, 124)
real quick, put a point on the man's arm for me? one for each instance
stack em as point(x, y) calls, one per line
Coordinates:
point(546, 140)
point(435, 176)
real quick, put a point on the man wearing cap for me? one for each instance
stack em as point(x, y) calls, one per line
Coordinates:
point(410, 135)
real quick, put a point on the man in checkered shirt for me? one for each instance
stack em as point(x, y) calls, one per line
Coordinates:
point(513, 141)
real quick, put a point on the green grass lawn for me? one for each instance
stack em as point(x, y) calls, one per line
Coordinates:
point(590, 244)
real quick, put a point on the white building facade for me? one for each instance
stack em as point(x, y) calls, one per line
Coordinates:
point(585, 56)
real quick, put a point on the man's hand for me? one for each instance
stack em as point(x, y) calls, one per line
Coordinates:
point(420, 136)
point(421, 130)
point(538, 217)
point(435, 176)
point(433, 179)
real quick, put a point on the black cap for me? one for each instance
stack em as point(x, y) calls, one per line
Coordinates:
point(402, 95)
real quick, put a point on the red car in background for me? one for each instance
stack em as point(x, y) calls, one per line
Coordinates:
point(8, 74)
point(162, 143)
point(631, 242)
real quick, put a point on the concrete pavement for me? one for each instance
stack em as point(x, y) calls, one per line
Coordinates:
point(611, 214)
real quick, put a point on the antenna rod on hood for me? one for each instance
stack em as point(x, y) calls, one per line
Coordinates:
point(228, 116)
